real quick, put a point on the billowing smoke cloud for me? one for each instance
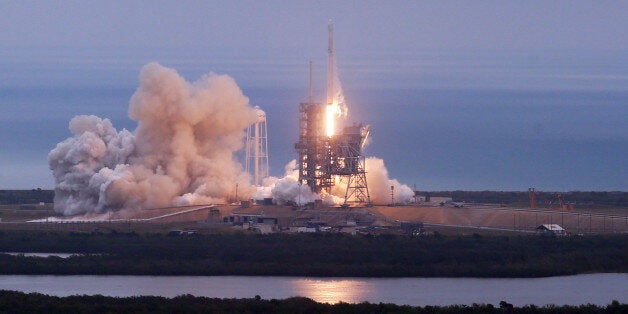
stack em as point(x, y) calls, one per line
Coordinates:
point(287, 189)
point(339, 95)
point(182, 151)
point(379, 183)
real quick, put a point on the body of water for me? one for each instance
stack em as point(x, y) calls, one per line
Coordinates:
point(444, 139)
point(507, 122)
point(597, 289)
point(28, 254)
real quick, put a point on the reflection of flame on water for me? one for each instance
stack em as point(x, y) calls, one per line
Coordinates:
point(332, 291)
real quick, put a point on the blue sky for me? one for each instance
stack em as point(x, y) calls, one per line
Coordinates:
point(433, 44)
point(381, 26)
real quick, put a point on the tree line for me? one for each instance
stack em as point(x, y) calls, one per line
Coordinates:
point(34, 196)
point(334, 255)
point(582, 198)
point(19, 302)
point(612, 198)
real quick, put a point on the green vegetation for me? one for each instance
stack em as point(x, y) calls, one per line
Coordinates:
point(313, 255)
point(18, 302)
point(579, 198)
point(34, 196)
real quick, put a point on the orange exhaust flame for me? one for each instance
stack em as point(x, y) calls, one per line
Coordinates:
point(333, 111)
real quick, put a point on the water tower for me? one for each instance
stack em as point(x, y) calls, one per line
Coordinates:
point(257, 148)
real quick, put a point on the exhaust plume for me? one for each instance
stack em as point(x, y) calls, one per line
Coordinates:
point(379, 183)
point(287, 189)
point(182, 151)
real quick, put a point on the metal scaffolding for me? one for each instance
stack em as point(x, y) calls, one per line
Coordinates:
point(313, 148)
point(348, 161)
point(323, 157)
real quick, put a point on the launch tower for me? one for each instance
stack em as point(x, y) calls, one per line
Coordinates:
point(324, 155)
point(313, 146)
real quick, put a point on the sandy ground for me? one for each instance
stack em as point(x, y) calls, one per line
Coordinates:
point(507, 218)
point(469, 217)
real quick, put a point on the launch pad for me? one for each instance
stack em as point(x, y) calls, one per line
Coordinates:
point(473, 218)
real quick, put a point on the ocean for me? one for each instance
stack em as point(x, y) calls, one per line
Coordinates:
point(441, 137)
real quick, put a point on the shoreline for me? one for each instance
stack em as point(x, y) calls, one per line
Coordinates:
point(36, 302)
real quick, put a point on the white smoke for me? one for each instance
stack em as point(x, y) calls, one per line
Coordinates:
point(182, 151)
point(339, 96)
point(287, 189)
point(378, 185)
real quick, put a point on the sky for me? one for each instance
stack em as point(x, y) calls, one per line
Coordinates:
point(253, 26)
point(266, 45)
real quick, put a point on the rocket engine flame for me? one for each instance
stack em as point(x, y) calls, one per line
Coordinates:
point(333, 112)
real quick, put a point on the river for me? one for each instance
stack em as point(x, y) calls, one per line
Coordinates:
point(597, 289)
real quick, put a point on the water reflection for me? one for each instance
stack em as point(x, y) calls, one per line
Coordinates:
point(598, 289)
point(333, 291)
point(29, 254)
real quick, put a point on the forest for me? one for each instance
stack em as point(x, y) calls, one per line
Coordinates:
point(34, 196)
point(329, 255)
point(18, 302)
point(581, 199)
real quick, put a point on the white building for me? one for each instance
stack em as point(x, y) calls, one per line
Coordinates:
point(551, 229)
